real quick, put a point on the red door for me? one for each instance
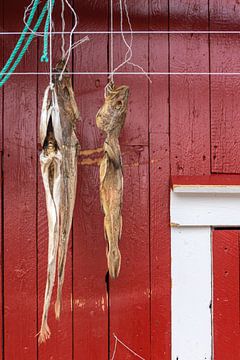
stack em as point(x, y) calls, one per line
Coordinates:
point(226, 337)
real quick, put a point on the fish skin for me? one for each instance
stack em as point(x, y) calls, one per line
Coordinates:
point(59, 171)
point(70, 150)
point(110, 119)
point(51, 163)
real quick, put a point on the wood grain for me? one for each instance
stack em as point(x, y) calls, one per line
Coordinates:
point(189, 95)
point(225, 107)
point(20, 108)
point(130, 293)
point(136, 124)
point(90, 301)
point(1, 214)
point(59, 347)
point(226, 294)
point(159, 165)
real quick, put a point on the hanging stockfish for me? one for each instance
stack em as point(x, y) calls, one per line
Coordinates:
point(59, 171)
point(51, 162)
point(69, 115)
point(110, 118)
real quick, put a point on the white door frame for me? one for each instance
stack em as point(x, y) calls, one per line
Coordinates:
point(194, 210)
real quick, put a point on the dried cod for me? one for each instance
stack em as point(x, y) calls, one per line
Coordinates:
point(110, 118)
point(59, 171)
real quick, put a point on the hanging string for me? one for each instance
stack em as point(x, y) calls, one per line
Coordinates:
point(27, 25)
point(111, 43)
point(126, 347)
point(70, 39)
point(51, 3)
point(86, 38)
point(63, 30)
point(71, 44)
point(129, 53)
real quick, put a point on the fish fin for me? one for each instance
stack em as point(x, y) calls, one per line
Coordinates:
point(44, 333)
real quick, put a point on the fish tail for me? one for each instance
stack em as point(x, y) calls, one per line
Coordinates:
point(44, 333)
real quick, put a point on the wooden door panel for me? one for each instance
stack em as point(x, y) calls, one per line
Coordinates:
point(226, 294)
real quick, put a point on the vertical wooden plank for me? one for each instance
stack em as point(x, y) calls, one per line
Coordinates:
point(1, 241)
point(226, 294)
point(191, 293)
point(189, 95)
point(130, 293)
point(59, 346)
point(20, 107)
point(224, 49)
point(159, 186)
point(135, 128)
point(90, 303)
point(1, 66)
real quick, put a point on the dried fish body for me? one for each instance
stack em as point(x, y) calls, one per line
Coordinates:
point(70, 149)
point(110, 118)
point(59, 171)
point(51, 162)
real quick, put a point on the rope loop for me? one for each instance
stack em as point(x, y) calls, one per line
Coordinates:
point(21, 39)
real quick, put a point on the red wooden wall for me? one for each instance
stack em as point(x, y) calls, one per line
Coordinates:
point(226, 294)
point(179, 124)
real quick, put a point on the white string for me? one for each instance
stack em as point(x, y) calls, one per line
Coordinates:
point(131, 73)
point(143, 32)
point(27, 10)
point(124, 345)
point(50, 48)
point(70, 39)
point(86, 38)
point(111, 42)
point(63, 30)
point(129, 53)
point(71, 44)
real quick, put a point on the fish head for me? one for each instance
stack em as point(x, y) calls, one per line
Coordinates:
point(111, 116)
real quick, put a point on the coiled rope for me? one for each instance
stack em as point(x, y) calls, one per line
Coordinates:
point(20, 40)
point(47, 7)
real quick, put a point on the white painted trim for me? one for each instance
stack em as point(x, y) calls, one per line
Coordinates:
point(206, 189)
point(192, 216)
point(191, 293)
point(205, 209)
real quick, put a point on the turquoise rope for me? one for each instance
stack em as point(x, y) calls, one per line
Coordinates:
point(44, 57)
point(20, 40)
point(24, 49)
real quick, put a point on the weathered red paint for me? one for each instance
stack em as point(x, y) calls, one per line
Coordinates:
point(167, 132)
point(189, 95)
point(214, 179)
point(159, 168)
point(226, 294)
point(20, 178)
point(90, 301)
point(1, 154)
point(129, 307)
point(225, 107)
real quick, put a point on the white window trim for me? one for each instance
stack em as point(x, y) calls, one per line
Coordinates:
point(194, 211)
